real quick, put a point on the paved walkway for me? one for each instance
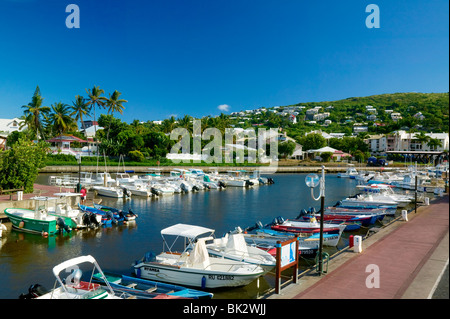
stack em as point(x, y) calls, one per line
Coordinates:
point(408, 259)
point(44, 190)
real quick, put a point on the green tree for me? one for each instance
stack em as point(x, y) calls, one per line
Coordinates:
point(434, 143)
point(286, 149)
point(61, 119)
point(19, 166)
point(326, 156)
point(80, 109)
point(35, 113)
point(95, 99)
point(313, 141)
point(114, 104)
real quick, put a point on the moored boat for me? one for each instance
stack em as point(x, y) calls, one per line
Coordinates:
point(72, 287)
point(149, 289)
point(194, 268)
point(37, 221)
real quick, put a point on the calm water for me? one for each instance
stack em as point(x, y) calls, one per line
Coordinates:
point(26, 259)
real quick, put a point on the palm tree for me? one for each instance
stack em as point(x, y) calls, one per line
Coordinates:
point(80, 109)
point(168, 125)
point(434, 143)
point(114, 104)
point(95, 100)
point(422, 138)
point(60, 116)
point(35, 113)
point(185, 122)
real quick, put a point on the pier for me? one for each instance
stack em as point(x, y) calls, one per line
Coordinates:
point(411, 257)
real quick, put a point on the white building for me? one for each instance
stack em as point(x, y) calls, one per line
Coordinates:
point(8, 126)
point(377, 144)
point(405, 141)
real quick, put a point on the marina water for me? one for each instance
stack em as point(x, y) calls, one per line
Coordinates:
point(26, 259)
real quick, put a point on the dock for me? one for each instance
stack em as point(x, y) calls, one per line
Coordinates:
point(409, 258)
point(7, 201)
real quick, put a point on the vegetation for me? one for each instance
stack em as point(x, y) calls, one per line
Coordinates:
point(147, 142)
point(19, 166)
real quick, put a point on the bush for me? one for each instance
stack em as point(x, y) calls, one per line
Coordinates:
point(136, 156)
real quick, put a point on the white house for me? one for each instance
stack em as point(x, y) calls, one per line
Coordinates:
point(11, 125)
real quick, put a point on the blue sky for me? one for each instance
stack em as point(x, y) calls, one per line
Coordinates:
point(177, 57)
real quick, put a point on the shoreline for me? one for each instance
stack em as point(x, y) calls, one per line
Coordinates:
point(167, 169)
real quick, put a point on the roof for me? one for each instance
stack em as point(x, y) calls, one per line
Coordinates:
point(66, 138)
point(185, 230)
point(324, 149)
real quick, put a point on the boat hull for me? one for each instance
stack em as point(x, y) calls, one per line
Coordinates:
point(20, 219)
point(193, 277)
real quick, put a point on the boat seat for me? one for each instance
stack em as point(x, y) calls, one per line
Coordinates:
point(132, 285)
point(152, 289)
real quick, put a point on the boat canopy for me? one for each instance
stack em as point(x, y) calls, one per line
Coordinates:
point(43, 198)
point(68, 264)
point(185, 230)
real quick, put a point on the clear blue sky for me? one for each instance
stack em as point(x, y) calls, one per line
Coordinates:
point(177, 57)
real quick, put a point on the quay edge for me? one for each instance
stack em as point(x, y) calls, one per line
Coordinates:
point(167, 169)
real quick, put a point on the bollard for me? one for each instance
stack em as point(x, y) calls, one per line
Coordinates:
point(405, 215)
point(350, 241)
point(427, 201)
point(357, 240)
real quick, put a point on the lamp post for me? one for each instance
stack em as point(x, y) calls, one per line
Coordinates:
point(78, 157)
point(312, 180)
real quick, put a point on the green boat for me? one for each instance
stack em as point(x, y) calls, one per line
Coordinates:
point(37, 221)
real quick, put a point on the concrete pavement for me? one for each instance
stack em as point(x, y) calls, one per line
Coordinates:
point(405, 260)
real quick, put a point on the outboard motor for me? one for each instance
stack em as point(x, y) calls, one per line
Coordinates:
point(131, 213)
point(270, 180)
point(153, 191)
point(195, 188)
point(248, 183)
point(126, 192)
point(222, 184)
point(280, 220)
point(303, 213)
point(34, 291)
point(62, 225)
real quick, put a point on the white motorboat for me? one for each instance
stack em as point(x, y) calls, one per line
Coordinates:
point(162, 189)
point(104, 179)
point(63, 209)
point(194, 267)
point(2, 229)
point(72, 287)
point(124, 179)
point(139, 189)
point(233, 246)
point(351, 172)
point(367, 201)
point(115, 192)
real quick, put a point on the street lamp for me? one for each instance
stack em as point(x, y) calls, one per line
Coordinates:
point(78, 157)
point(312, 180)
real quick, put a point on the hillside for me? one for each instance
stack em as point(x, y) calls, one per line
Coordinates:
point(381, 113)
